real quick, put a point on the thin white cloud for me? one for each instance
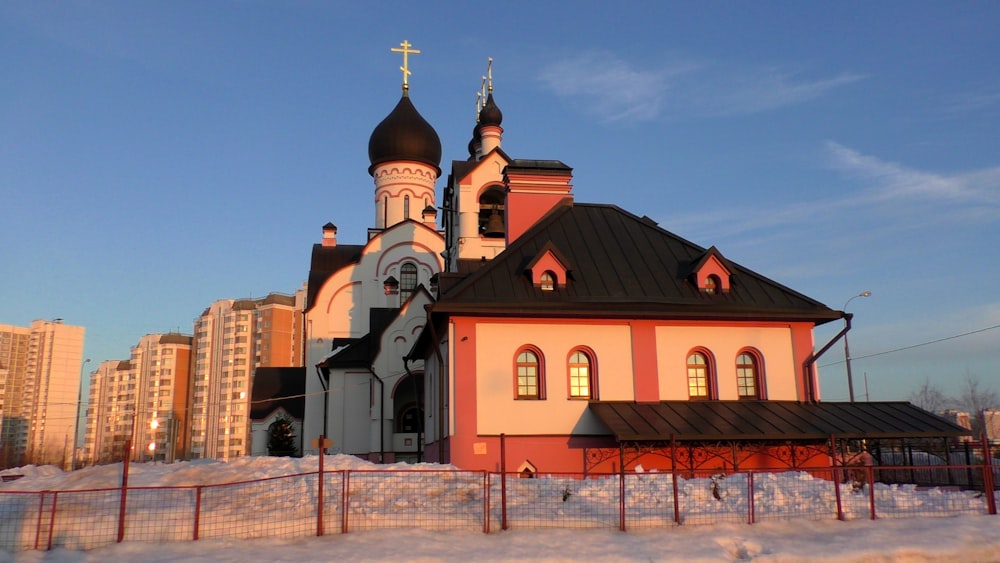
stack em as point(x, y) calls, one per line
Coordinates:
point(758, 90)
point(609, 87)
point(917, 199)
point(893, 181)
point(614, 89)
point(983, 101)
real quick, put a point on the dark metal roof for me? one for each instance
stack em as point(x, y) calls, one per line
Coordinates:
point(360, 352)
point(461, 168)
point(278, 387)
point(325, 261)
point(621, 265)
point(349, 352)
point(176, 338)
point(632, 421)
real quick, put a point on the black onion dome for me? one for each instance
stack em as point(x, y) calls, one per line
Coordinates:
point(404, 135)
point(477, 138)
point(490, 114)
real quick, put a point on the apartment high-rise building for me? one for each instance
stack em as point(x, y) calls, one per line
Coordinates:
point(39, 392)
point(110, 404)
point(145, 399)
point(232, 338)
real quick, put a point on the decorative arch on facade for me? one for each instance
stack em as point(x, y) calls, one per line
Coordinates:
point(750, 379)
point(581, 374)
point(385, 266)
point(348, 290)
point(701, 375)
point(406, 397)
point(529, 374)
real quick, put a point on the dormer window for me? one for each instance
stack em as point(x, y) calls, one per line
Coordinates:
point(712, 274)
point(547, 281)
point(548, 270)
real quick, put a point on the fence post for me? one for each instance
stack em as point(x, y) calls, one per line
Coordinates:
point(319, 486)
point(197, 512)
point(948, 461)
point(871, 489)
point(345, 496)
point(121, 508)
point(968, 466)
point(503, 481)
point(41, 511)
point(909, 461)
point(836, 477)
point(991, 501)
point(621, 486)
point(673, 477)
point(750, 514)
point(486, 502)
point(52, 519)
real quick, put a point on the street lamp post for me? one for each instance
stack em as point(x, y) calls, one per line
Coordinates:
point(847, 348)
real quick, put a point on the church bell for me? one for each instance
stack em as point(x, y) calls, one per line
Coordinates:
point(495, 227)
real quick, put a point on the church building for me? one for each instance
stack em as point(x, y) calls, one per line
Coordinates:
point(507, 326)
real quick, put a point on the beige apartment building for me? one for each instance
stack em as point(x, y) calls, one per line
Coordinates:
point(40, 370)
point(145, 399)
point(232, 338)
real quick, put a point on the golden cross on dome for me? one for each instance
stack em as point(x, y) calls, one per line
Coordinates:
point(489, 72)
point(406, 61)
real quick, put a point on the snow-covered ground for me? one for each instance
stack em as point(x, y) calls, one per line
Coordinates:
point(582, 528)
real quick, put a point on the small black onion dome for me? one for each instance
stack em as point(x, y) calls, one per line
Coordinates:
point(477, 138)
point(490, 114)
point(404, 135)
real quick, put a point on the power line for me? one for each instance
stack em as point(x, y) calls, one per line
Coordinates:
point(971, 332)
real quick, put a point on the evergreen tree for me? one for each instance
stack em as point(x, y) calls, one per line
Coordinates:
point(281, 437)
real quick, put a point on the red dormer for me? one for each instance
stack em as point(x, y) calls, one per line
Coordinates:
point(549, 269)
point(712, 274)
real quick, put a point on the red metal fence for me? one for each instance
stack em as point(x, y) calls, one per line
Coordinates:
point(330, 502)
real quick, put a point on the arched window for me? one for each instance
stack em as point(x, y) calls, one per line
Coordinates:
point(749, 376)
point(529, 380)
point(712, 284)
point(407, 281)
point(582, 376)
point(547, 281)
point(701, 383)
point(410, 419)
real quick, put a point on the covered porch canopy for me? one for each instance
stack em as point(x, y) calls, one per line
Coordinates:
point(731, 432)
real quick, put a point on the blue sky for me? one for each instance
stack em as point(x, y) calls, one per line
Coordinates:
point(157, 156)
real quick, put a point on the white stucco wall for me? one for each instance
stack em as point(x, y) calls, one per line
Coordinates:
point(341, 310)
